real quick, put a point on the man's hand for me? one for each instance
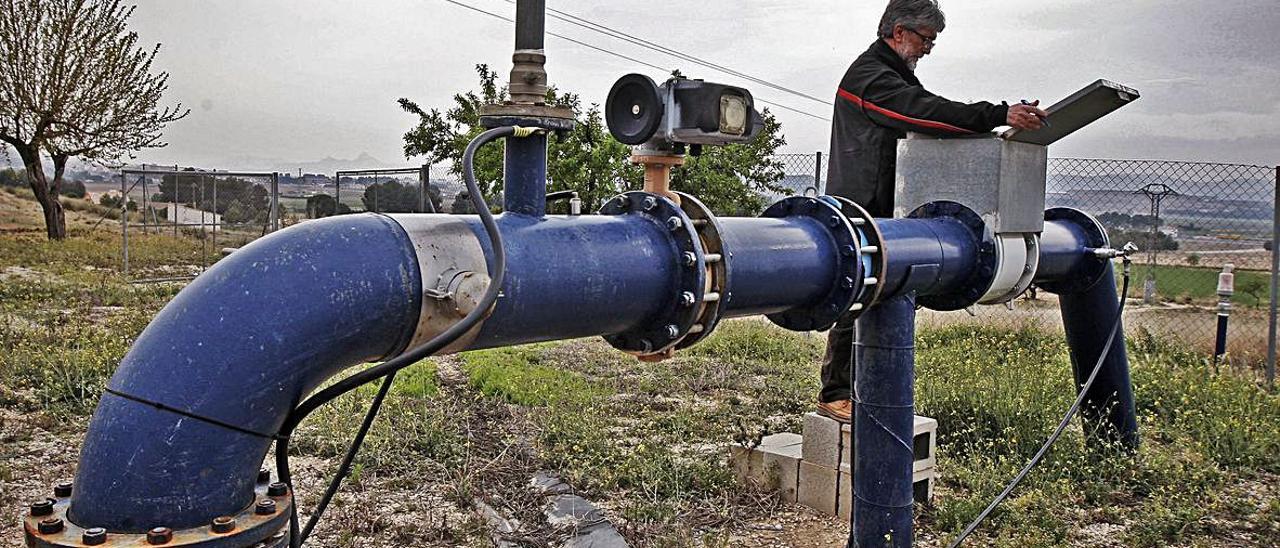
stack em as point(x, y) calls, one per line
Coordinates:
point(1026, 116)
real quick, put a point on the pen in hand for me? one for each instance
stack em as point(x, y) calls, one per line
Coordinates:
point(1043, 119)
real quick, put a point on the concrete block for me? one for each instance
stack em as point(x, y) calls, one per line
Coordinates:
point(921, 487)
point(822, 444)
point(924, 443)
point(819, 487)
point(774, 465)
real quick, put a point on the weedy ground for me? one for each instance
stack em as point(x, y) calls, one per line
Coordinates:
point(648, 442)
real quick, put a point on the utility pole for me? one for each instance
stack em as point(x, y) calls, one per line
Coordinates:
point(1156, 192)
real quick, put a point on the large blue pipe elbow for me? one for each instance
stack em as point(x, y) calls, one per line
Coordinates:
point(241, 345)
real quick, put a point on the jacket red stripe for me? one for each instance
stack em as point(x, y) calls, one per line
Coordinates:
point(898, 116)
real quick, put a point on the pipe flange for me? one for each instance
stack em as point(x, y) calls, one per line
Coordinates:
point(658, 338)
point(715, 298)
point(875, 262)
point(1096, 237)
point(982, 276)
point(263, 523)
point(849, 272)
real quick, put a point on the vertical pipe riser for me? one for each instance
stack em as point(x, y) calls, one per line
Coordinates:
point(524, 188)
point(1087, 317)
point(883, 425)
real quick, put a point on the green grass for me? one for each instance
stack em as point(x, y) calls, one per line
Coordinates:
point(1183, 283)
point(648, 440)
point(998, 393)
point(515, 375)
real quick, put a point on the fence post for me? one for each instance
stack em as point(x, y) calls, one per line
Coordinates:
point(275, 201)
point(124, 224)
point(817, 174)
point(422, 189)
point(1275, 286)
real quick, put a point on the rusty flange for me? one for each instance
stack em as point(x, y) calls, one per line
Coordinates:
point(872, 254)
point(263, 523)
point(716, 297)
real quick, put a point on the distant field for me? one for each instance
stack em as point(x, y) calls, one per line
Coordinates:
point(1178, 283)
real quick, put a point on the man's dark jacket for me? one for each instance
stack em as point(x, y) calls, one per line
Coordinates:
point(879, 100)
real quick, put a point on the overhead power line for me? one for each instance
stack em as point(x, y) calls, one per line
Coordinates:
point(645, 63)
point(608, 31)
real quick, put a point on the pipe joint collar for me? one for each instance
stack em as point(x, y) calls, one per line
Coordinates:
point(850, 272)
point(454, 274)
point(983, 274)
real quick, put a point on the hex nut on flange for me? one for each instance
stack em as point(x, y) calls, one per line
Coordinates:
point(62, 489)
point(41, 508)
point(277, 489)
point(94, 536)
point(49, 526)
point(223, 524)
point(265, 507)
point(159, 535)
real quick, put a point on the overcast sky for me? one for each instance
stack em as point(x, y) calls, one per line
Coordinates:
point(275, 83)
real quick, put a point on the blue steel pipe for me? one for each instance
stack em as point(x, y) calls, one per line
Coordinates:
point(883, 422)
point(1108, 410)
point(524, 179)
point(242, 345)
point(778, 263)
point(248, 339)
point(927, 256)
point(577, 276)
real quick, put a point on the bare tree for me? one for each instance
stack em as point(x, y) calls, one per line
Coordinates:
point(75, 84)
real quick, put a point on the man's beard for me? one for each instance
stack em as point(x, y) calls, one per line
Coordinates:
point(911, 63)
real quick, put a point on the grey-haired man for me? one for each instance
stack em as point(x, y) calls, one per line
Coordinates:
point(878, 101)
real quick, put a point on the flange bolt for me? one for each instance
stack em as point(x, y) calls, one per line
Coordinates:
point(62, 489)
point(223, 524)
point(848, 250)
point(49, 526)
point(847, 282)
point(689, 257)
point(265, 507)
point(687, 298)
point(674, 223)
point(277, 489)
point(264, 475)
point(159, 535)
point(41, 508)
point(94, 536)
point(650, 202)
point(672, 331)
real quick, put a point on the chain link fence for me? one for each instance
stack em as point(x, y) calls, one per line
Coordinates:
point(1189, 218)
point(219, 209)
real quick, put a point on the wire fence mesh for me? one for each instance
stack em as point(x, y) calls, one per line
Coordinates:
point(1190, 220)
point(217, 209)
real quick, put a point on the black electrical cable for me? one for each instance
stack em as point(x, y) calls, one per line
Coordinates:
point(345, 467)
point(388, 368)
point(1084, 389)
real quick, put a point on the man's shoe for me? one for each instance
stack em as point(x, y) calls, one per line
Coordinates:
point(841, 410)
